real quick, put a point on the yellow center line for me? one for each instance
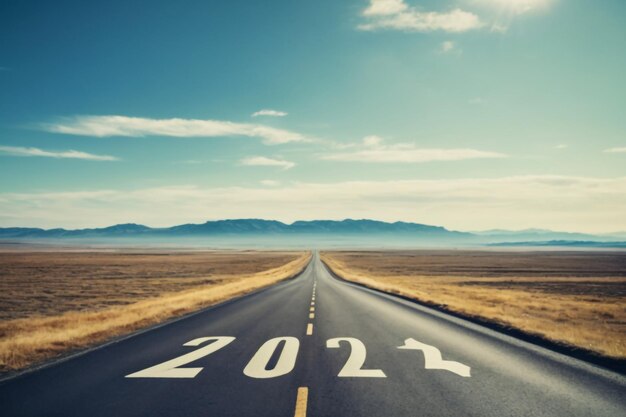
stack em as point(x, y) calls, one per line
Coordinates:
point(301, 400)
point(309, 329)
point(311, 315)
point(312, 309)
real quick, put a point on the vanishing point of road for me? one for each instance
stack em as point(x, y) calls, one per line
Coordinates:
point(317, 346)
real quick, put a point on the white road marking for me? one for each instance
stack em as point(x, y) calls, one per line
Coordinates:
point(301, 402)
point(284, 365)
point(311, 315)
point(169, 369)
point(433, 360)
point(309, 329)
point(312, 309)
point(312, 303)
point(353, 365)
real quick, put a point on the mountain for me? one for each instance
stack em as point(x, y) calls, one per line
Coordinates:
point(565, 243)
point(349, 230)
point(111, 231)
point(241, 227)
point(366, 226)
point(532, 235)
point(227, 227)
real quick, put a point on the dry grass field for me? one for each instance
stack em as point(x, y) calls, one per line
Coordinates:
point(574, 298)
point(54, 302)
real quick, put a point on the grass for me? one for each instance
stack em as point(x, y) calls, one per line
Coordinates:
point(577, 299)
point(162, 291)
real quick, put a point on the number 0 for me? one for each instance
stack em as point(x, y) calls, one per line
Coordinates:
point(256, 368)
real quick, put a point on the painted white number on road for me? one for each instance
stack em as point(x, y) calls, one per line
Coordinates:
point(256, 368)
point(353, 365)
point(433, 360)
point(286, 359)
point(170, 369)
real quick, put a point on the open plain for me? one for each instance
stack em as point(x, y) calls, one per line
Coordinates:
point(55, 302)
point(573, 298)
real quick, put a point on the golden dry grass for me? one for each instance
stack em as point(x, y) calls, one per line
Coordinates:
point(573, 298)
point(30, 340)
point(50, 283)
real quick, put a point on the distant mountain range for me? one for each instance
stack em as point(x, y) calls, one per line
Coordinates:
point(565, 243)
point(239, 226)
point(350, 228)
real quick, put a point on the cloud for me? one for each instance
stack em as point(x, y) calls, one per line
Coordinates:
point(270, 183)
point(385, 7)
point(397, 15)
point(375, 151)
point(269, 112)
point(104, 126)
point(558, 202)
point(514, 6)
point(372, 141)
point(561, 146)
point(501, 13)
point(615, 150)
point(71, 154)
point(264, 161)
point(447, 47)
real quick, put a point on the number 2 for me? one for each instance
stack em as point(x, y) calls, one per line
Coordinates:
point(353, 365)
point(170, 369)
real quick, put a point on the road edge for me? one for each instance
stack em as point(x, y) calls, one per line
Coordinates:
point(585, 355)
point(77, 353)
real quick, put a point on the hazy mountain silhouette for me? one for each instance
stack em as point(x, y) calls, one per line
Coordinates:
point(349, 227)
point(238, 226)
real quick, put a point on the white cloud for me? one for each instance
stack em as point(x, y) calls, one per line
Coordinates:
point(372, 141)
point(447, 47)
point(104, 126)
point(501, 13)
point(71, 154)
point(615, 150)
point(557, 202)
point(397, 15)
point(385, 7)
point(514, 6)
point(264, 161)
point(270, 183)
point(269, 112)
point(561, 146)
point(374, 150)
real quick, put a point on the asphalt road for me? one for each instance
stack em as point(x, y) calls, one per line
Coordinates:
point(243, 370)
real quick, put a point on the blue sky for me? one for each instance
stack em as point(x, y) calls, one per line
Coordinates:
point(472, 114)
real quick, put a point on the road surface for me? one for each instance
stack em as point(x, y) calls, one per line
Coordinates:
point(317, 346)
